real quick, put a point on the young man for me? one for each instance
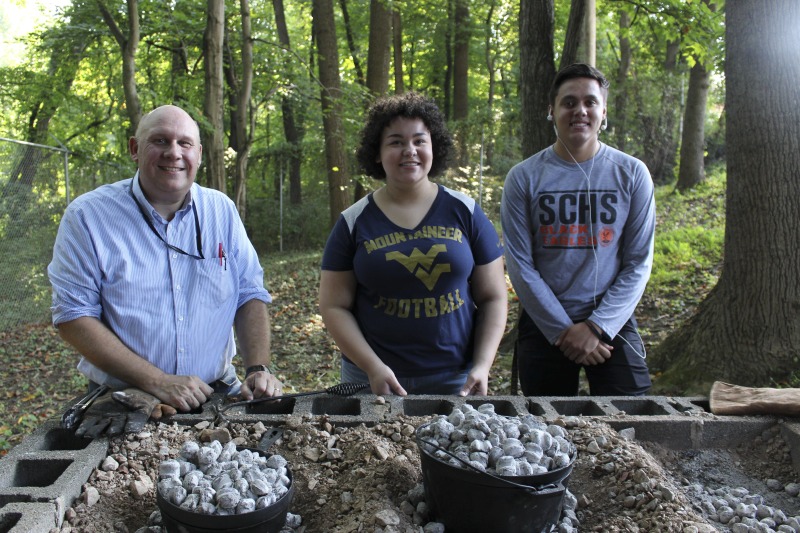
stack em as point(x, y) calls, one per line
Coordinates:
point(578, 224)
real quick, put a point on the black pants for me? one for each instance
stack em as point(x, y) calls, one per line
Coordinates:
point(545, 371)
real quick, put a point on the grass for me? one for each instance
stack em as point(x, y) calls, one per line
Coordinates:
point(690, 234)
point(688, 254)
point(39, 377)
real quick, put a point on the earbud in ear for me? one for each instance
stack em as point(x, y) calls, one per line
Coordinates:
point(604, 125)
point(550, 117)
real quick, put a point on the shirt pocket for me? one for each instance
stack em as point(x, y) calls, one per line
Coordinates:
point(214, 283)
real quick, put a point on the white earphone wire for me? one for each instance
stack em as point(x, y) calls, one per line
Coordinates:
point(591, 214)
point(591, 231)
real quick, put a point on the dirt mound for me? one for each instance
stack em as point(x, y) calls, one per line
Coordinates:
point(362, 478)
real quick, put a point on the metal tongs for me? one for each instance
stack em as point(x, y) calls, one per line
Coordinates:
point(73, 416)
point(342, 389)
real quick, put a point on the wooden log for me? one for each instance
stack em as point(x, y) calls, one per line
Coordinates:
point(727, 399)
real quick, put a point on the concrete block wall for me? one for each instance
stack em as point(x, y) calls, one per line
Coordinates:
point(42, 476)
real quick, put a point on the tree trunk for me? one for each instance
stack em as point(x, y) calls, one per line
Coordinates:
point(587, 52)
point(335, 153)
point(491, 67)
point(380, 35)
point(213, 146)
point(128, 45)
point(747, 331)
point(660, 144)
point(243, 123)
point(461, 35)
point(621, 90)
point(179, 68)
point(573, 40)
point(397, 40)
point(536, 72)
point(293, 133)
point(179, 61)
point(351, 43)
point(447, 86)
point(461, 38)
point(691, 170)
point(410, 62)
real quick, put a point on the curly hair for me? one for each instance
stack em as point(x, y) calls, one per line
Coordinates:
point(408, 105)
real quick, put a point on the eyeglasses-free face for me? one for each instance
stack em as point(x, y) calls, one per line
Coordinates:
point(168, 152)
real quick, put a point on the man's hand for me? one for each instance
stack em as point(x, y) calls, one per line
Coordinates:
point(599, 356)
point(184, 393)
point(260, 384)
point(581, 346)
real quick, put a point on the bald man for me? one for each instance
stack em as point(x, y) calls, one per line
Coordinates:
point(152, 275)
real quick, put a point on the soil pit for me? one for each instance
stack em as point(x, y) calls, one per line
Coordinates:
point(353, 479)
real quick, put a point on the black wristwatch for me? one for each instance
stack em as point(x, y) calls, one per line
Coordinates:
point(256, 368)
point(600, 334)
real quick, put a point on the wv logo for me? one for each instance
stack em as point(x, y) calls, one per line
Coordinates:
point(421, 265)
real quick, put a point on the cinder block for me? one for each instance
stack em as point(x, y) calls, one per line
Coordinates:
point(340, 411)
point(444, 405)
point(29, 517)
point(693, 433)
point(424, 405)
point(643, 406)
point(581, 406)
point(42, 476)
point(50, 437)
point(49, 466)
point(791, 434)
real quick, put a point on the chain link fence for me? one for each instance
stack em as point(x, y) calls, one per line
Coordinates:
point(36, 184)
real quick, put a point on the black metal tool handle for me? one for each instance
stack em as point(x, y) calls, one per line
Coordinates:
point(72, 416)
point(342, 389)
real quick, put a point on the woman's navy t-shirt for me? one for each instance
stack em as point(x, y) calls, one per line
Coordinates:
point(413, 300)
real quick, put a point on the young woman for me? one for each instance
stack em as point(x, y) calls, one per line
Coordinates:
point(412, 286)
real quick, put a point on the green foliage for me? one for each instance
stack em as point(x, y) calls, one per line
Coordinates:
point(90, 117)
point(686, 248)
point(303, 226)
point(486, 189)
point(793, 382)
point(690, 237)
point(6, 443)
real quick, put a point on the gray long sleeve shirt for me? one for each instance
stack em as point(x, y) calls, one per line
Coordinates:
point(579, 241)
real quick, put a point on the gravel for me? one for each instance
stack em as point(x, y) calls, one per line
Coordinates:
point(353, 479)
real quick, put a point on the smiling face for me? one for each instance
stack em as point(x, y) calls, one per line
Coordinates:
point(167, 151)
point(578, 114)
point(406, 151)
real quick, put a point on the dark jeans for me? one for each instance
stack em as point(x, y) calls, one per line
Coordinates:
point(545, 371)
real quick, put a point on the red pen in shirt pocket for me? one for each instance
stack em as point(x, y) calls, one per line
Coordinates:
point(222, 257)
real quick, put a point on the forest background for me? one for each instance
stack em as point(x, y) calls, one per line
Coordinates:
point(280, 89)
